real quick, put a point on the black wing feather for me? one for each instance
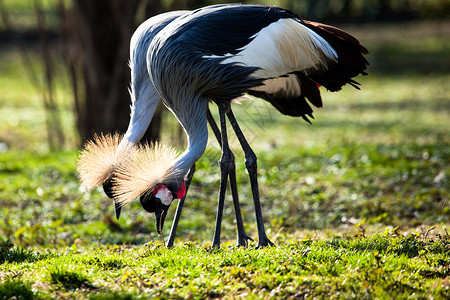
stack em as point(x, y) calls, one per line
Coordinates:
point(223, 29)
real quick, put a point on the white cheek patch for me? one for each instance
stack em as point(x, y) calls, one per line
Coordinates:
point(164, 195)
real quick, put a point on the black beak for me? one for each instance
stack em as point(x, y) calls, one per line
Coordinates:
point(160, 214)
point(107, 188)
point(118, 209)
point(153, 205)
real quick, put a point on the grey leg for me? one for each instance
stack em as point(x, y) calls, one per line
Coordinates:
point(251, 165)
point(242, 237)
point(213, 126)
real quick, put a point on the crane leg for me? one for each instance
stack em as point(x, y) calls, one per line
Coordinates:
point(180, 205)
point(213, 125)
point(225, 163)
point(242, 237)
point(251, 165)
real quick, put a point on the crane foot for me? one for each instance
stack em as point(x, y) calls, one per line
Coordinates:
point(243, 240)
point(264, 242)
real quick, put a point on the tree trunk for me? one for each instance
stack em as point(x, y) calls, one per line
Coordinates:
point(153, 8)
point(102, 31)
point(99, 33)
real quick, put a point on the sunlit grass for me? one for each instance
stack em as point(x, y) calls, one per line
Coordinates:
point(385, 265)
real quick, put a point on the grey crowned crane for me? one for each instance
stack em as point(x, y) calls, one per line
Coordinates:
point(217, 54)
point(101, 156)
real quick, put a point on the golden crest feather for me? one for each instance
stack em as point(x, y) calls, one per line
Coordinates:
point(140, 172)
point(97, 161)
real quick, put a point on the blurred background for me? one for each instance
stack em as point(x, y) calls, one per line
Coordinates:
point(64, 72)
point(373, 158)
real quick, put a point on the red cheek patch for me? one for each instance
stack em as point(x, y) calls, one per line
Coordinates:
point(182, 191)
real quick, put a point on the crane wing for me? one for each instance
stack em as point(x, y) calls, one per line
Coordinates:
point(289, 93)
point(283, 47)
point(223, 29)
point(224, 51)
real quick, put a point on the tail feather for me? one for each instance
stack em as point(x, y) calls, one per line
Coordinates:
point(339, 33)
point(289, 93)
point(350, 62)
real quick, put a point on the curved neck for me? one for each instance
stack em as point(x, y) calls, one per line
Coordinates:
point(192, 116)
point(144, 104)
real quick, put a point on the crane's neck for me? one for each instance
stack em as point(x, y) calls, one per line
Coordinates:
point(192, 116)
point(144, 104)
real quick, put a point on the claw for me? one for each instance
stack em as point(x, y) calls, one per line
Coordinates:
point(243, 240)
point(265, 242)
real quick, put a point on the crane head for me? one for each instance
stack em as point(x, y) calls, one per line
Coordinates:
point(158, 201)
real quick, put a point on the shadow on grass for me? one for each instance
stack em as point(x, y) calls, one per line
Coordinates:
point(381, 126)
point(11, 253)
point(69, 279)
point(400, 59)
point(16, 289)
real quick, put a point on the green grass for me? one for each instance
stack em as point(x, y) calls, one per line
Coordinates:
point(67, 278)
point(11, 253)
point(357, 203)
point(16, 289)
point(21, 14)
point(385, 265)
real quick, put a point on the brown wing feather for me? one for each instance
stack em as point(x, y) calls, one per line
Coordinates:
point(340, 34)
point(350, 62)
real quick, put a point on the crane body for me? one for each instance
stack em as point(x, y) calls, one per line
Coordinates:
point(217, 54)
